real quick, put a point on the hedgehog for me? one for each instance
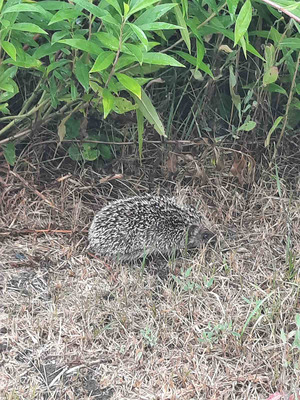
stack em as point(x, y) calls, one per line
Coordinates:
point(132, 228)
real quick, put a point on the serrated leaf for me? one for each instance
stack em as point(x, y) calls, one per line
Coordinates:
point(82, 74)
point(10, 49)
point(130, 83)
point(108, 102)
point(243, 21)
point(146, 107)
point(10, 153)
point(103, 61)
point(28, 27)
point(247, 126)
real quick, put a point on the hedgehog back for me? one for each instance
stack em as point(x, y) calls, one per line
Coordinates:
point(130, 228)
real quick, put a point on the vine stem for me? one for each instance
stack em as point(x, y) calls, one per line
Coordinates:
point(117, 55)
point(282, 9)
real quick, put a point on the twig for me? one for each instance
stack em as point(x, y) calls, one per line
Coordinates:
point(17, 232)
point(39, 194)
point(282, 9)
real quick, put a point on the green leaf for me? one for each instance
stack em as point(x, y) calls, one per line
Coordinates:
point(105, 152)
point(108, 40)
point(270, 76)
point(10, 49)
point(146, 107)
point(247, 126)
point(97, 11)
point(297, 320)
point(28, 27)
point(184, 32)
point(139, 33)
point(274, 88)
point(74, 152)
point(243, 21)
point(27, 8)
point(67, 14)
point(140, 126)
point(115, 5)
point(89, 153)
point(292, 43)
point(136, 51)
point(4, 108)
point(125, 60)
point(72, 128)
point(121, 105)
point(57, 64)
point(10, 153)
point(47, 49)
point(153, 14)
point(161, 59)
point(103, 61)
point(268, 138)
point(192, 60)
point(108, 102)
point(158, 26)
point(130, 84)
point(82, 44)
point(232, 6)
point(82, 74)
point(140, 5)
point(200, 51)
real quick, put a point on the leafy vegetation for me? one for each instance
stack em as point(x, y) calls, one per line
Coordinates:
point(61, 60)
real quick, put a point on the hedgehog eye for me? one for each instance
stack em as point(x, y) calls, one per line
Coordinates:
point(206, 236)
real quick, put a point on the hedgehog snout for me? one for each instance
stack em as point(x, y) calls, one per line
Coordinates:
point(197, 235)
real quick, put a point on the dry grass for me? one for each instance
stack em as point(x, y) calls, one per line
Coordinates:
point(209, 327)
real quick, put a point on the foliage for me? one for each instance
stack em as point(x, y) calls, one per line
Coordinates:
point(80, 55)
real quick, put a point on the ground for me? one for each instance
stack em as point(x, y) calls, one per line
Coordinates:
point(223, 323)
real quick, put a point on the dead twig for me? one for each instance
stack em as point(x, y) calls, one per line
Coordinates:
point(39, 194)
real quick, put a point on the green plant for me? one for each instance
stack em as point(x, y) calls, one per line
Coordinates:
point(214, 332)
point(149, 336)
point(81, 55)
